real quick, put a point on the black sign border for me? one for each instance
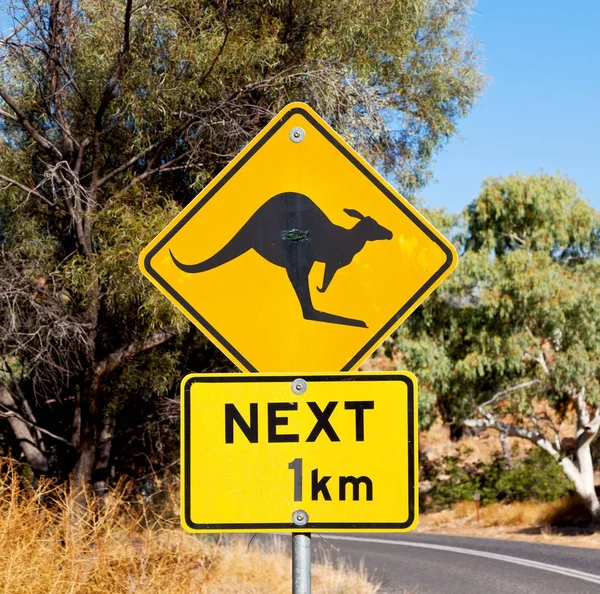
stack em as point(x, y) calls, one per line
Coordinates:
point(385, 330)
point(189, 381)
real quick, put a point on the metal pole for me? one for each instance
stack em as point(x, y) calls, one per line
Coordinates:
point(301, 559)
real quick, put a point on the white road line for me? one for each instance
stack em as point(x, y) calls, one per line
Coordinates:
point(574, 573)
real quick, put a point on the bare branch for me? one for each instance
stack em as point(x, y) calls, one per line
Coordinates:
point(19, 27)
point(6, 413)
point(10, 116)
point(155, 472)
point(31, 192)
point(57, 13)
point(518, 240)
point(546, 417)
point(540, 358)
point(491, 422)
point(509, 390)
point(583, 415)
point(37, 323)
point(82, 146)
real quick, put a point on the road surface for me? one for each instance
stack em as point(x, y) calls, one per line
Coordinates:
point(428, 564)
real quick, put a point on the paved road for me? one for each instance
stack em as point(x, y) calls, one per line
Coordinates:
point(432, 564)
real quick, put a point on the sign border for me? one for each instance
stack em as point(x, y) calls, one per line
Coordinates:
point(231, 170)
point(406, 377)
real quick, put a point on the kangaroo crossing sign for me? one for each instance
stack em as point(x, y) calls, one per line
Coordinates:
point(298, 255)
point(266, 453)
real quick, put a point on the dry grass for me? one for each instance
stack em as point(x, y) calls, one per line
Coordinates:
point(51, 546)
point(267, 568)
point(564, 521)
point(496, 514)
point(518, 513)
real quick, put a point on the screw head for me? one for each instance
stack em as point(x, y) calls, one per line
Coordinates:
point(300, 517)
point(299, 386)
point(297, 134)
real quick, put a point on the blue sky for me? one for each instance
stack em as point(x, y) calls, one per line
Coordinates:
point(541, 109)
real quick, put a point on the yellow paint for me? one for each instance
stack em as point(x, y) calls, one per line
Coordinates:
point(248, 307)
point(251, 486)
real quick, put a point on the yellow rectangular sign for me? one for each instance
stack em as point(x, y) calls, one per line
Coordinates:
point(299, 453)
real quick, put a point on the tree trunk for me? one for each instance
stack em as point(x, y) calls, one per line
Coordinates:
point(581, 474)
point(82, 471)
point(93, 436)
point(23, 433)
point(100, 473)
point(583, 482)
point(586, 468)
point(86, 440)
point(587, 430)
point(508, 459)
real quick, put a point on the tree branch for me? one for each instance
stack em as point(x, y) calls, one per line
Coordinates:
point(20, 27)
point(4, 412)
point(20, 427)
point(22, 119)
point(10, 116)
point(82, 146)
point(217, 56)
point(155, 472)
point(127, 164)
point(583, 415)
point(54, 58)
point(112, 83)
point(116, 358)
point(508, 391)
point(488, 420)
point(31, 191)
point(491, 422)
point(168, 166)
point(546, 417)
point(107, 97)
point(587, 433)
point(540, 358)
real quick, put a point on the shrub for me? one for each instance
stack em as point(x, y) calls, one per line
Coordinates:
point(535, 477)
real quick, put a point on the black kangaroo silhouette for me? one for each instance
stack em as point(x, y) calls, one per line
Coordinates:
point(291, 231)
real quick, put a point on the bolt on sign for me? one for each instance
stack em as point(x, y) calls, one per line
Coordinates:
point(298, 255)
point(289, 453)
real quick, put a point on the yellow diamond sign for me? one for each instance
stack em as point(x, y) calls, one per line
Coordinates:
point(298, 255)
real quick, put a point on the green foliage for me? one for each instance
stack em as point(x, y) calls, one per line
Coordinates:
point(523, 304)
point(534, 213)
point(124, 124)
point(535, 477)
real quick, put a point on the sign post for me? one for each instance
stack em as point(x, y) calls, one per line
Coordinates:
point(298, 260)
point(301, 562)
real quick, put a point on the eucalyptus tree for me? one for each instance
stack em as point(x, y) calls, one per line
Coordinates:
point(113, 114)
point(512, 340)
